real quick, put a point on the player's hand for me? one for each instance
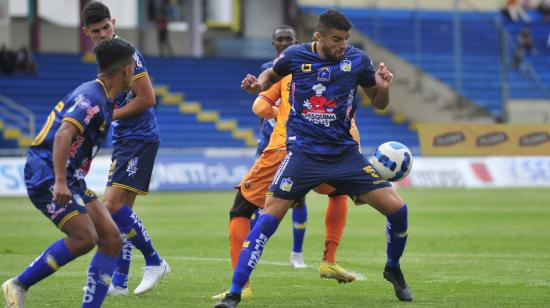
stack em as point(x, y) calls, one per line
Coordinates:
point(61, 194)
point(383, 77)
point(251, 84)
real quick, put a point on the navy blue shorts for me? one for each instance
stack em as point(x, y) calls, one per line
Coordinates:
point(300, 172)
point(60, 214)
point(132, 165)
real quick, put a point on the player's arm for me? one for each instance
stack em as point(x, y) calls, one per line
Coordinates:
point(144, 98)
point(264, 105)
point(379, 93)
point(62, 143)
point(254, 85)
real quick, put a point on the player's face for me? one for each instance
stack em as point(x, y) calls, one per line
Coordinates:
point(282, 39)
point(333, 43)
point(100, 30)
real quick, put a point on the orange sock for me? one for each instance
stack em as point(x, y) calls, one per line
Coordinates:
point(335, 221)
point(239, 227)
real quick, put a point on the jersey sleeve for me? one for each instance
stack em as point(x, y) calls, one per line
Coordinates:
point(272, 94)
point(281, 65)
point(366, 76)
point(82, 112)
point(140, 70)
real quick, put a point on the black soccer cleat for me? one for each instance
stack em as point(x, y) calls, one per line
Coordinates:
point(395, 276)
point(229, 301)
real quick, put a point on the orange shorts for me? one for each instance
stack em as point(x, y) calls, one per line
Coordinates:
point(255, 184)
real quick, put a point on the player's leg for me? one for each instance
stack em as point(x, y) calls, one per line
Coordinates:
point(299, 220)
point(130, 175)
point(390, 204)
point(290, 183)
point(335, 221)
point(81, 238)
point(103, 262)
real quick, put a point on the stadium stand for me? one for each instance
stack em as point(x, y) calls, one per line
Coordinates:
point(480, 49)
point(200, 101)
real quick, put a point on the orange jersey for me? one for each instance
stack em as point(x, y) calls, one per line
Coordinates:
point(278, 92)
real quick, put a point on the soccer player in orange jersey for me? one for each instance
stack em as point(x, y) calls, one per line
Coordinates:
point(252, 190)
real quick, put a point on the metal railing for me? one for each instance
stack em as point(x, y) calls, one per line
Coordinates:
point(17, 114)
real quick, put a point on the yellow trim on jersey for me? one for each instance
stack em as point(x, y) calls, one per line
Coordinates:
point(66, 218)
point(312, 46)
point(75, 122)
point(44, 131)
point(138, 76)
point(104, 88)
point(137, 191)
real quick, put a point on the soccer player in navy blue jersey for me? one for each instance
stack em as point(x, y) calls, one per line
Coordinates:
point(135, 144)
point(325, 76)
point(57, 162)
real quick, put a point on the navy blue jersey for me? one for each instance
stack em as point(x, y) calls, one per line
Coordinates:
point(90, 109)
point(323, 97)
point(143, 126)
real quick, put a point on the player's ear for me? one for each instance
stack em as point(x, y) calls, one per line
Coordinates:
point(317, 35)
point(86, 30)
point(113, 22)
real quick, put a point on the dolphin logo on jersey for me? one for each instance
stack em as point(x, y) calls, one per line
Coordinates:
point(324, 74)
point(318, 109)
point(345, 65)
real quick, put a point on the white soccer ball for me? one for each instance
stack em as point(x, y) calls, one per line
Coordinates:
point(392, 161)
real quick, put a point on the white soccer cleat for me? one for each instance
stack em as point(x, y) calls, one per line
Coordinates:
point(297, 260)
point(14, 295)
point(117, 291)
point(152, 276)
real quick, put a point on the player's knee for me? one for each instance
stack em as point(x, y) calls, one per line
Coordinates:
point(84, 240)
point(111, 244)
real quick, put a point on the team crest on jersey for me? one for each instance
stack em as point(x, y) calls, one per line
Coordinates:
point(318, 109)
point(132, 166)
point(345, 65)
point(286, 184)
point(324, 74)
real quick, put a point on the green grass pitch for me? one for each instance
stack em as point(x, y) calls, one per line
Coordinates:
point(466, 248)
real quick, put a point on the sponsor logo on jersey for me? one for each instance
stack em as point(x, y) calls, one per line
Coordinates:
point(345, 65)
point(306, 67)
point(324, 74)
point(51, 208)
point(90, 113)
point(132, 166)
point(139, 64)
point(286, 184)
point(77, 143)
point(78, 200)
point(318, 109)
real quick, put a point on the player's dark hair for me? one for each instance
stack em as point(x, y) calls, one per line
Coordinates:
point(95, 11)
point(283, 27)
point(113, 54)
point(332, 19)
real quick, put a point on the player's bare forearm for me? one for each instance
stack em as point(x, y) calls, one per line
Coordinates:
point(381, 99)
point(143, 100)
point(62, 143)
point(268, 78)
point(133, 108)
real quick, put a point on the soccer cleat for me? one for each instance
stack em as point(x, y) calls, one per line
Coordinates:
point(117, 291)
point(14, 294)
point(335, 271)
point(395, 276)
point(246, 293)
point(152, 276)
point(230, 300)
point(297, 260)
